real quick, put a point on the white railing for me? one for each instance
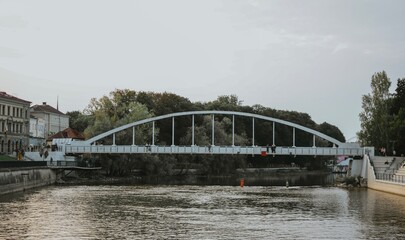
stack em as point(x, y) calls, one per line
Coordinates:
point(321, 151)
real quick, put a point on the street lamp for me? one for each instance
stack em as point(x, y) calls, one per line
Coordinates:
point(6, 131)
point(393, 148)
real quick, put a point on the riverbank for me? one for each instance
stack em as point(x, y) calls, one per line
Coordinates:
point(21, 179)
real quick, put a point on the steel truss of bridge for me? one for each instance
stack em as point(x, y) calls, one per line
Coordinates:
point(247, 150)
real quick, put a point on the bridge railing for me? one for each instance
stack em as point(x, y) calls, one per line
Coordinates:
point(62, 163)
point(214, 150)
point(390, 177)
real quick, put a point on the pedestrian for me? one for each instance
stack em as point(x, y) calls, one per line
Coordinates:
point(273, 148)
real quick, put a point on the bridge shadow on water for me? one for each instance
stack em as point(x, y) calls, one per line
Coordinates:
point(275, 179)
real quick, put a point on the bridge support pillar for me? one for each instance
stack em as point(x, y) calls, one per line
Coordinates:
point(192, 134)
point(293, 138)
point(172, 131)
point(314, 145)
point(133, 136)
point(253, 131)
point(153, 133)
point(213, 130)
point(233, 130)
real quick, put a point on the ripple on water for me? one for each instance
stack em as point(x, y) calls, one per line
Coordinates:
point(201, 212)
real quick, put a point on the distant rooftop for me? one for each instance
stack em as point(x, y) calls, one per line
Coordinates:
point(46, 108)
point(68, 133)
point(12, 98)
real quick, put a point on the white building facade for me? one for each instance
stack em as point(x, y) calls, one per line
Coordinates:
point(14, 123)
point(37, 133)
point(55, 121)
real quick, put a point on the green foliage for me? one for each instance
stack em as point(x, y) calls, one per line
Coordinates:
point(375, 115)
point(398, 117)
point(383, 115)
point(399, 97)
point(117, 110)
point(80, 121)
point(331, 131)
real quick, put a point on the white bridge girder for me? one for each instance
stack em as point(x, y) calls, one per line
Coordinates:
point(90, 146)
point(318, 151)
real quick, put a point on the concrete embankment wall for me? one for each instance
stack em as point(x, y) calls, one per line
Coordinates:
point(380, 185)
point(20, 179)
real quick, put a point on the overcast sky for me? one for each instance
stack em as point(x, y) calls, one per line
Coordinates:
point(315, 57)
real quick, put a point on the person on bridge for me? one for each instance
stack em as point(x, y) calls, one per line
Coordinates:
point(273, 148)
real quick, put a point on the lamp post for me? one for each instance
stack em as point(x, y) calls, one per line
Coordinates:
point(393, 147)
point(6, 132)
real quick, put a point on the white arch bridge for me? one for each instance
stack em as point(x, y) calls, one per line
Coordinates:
point(90, 146)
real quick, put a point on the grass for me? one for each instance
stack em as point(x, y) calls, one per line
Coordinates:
point(6, 158)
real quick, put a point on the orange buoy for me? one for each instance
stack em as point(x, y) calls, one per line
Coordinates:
point(242, 182)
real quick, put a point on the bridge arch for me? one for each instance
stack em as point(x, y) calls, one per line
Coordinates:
point(213, 112)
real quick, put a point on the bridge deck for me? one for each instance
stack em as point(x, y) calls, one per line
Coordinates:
point(250, 150)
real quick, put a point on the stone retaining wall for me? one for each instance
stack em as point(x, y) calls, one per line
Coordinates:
point(380, 185)
point(20, 179)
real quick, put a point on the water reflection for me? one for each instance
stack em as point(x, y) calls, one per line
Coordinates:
point(201, 212)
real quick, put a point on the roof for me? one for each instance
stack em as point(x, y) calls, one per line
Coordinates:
point(67, 133)
point(12, 98)
point(46, 108)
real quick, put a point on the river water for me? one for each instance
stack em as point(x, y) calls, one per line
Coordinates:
point(201, 212)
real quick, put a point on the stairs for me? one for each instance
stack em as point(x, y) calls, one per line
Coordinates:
point(380, 165)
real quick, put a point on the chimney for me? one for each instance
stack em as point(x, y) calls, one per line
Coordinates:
point(43, 103)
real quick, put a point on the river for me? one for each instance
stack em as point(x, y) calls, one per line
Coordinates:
point(201, 212)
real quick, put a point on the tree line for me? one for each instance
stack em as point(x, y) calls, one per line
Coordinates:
point(123, 106)
point(383, 116)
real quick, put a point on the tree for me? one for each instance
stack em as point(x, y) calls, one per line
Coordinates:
point(374, 118)
point(117, 110)
point(225, 102)
point(79, 121)
point(399, 97)
point(166, 103)
point(111, 112)
point(398, 118)
point(331, 131)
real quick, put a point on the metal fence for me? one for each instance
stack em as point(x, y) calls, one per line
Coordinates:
point(62, 163)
